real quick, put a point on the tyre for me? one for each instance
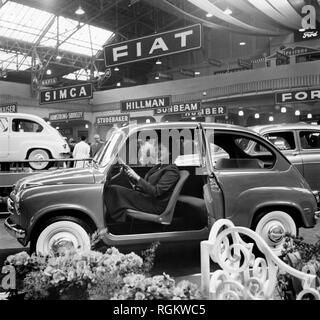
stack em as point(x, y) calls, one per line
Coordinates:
point(60, 235)
point(39, 154)
point(273, 226)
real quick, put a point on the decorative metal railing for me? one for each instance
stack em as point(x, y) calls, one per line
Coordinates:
point(242, 274)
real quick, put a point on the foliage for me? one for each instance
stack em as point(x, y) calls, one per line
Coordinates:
point(162, 287)
point(95, 275)
point(302, 256)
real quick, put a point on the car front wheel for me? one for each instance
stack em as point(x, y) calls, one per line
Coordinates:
point(273, 226)
point(38, 154)
point(60, 236)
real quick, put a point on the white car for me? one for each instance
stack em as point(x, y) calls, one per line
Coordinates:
point(29, 137)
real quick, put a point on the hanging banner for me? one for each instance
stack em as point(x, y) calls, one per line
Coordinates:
point(145, 104)
point(153, 46)
point(311, 95)
point(76, 92)
point(9, 108)
point(293, 51)
point(179, 108)
point(115, 118)
point(65, 116)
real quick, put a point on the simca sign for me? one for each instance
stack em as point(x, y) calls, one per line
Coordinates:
point(155, 45)
point(65, 116)
point(145, 104)
point(76, 92)
point(179, 108)
point(214, 111)
point(115, 118)
point(9, 108)
point(298, 96)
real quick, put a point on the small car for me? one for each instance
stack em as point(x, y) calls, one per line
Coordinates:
point(29, 137)
point(300, 143)
point(219, 178)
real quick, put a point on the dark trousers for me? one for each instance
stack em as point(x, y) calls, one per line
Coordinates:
point(118, 199)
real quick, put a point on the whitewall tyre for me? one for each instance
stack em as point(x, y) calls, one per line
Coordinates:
point(38, 154)
point(273, 226)
point(60, 236)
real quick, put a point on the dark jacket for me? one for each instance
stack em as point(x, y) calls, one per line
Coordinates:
point(151, 195)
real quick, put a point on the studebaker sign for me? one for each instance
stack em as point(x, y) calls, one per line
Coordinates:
point(298, 96)
point(76, 92)
point(115, 118)
point(153, 46)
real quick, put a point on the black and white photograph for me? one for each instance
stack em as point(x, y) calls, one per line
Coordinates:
point(159, 150)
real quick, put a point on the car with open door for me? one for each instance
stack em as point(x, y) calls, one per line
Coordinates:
point(219, 178)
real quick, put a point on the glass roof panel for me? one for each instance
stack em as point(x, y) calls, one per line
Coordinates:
point(14, 61)
point(24, 23)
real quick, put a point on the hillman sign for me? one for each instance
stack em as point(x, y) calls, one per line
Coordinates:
point(115, 118)
point(145, 104)
point(179, 108)
point(153, 46)
point(76, 92)
point(298, 96)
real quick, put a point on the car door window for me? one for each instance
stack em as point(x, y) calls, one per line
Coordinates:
point(3, 124)
point(238, 152)
point(282, 140)
point(21, 125)
point(309, 139)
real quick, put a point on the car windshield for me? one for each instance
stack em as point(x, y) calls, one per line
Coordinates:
point(104, 155)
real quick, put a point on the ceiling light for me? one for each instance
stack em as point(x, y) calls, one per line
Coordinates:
point(204, 93)
point(157, 76)
point(148, 121)
point(242, 43)
point(209, 15)
point(158, 61)
point(283, 110)
point(118, 84)
point(257, 116)
point(79, 11)
point(228, 11)
point(193, 118)
point(302, 30)
point(57, 128)
point(271, 118)
point(49, 72)
point(86, 126)
point(297, 113)
point(116, 69)
point(309, 116)
point(241, 113)
point(197, 73)
point(58, 57)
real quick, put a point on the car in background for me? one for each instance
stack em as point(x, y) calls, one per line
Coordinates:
point(29, 137)
point(300, 143)
point(222, 179)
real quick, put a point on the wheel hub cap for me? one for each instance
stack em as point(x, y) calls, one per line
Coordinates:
point(61, 245)
point(276, 233)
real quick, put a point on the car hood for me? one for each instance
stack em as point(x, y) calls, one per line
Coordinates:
point(64, 176)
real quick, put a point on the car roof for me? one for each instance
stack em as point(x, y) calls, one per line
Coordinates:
point(185, 124)
point(285, 126)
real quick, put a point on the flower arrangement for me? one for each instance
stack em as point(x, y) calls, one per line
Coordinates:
point(302, 256)
point(94, 275)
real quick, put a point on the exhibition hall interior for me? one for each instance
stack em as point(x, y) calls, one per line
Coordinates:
point(159, 150)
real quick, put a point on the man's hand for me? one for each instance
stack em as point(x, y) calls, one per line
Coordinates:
point(132, 174)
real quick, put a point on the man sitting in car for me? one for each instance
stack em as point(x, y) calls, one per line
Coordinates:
point(150, 194)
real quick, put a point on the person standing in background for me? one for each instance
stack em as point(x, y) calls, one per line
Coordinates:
point(95, 146)
point(81, 151)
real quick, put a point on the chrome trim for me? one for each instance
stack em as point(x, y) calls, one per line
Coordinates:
point(14, 229)
point(317, 214)
point(10, 205)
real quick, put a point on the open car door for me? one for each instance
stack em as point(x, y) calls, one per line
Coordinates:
point(212, 191)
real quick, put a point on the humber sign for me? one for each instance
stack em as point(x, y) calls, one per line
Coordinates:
point(298, 96)
point(155, 45)
point(145, 104)
point(76, 92)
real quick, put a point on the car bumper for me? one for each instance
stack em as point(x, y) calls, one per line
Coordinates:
point(15, 230)
point(317, 215)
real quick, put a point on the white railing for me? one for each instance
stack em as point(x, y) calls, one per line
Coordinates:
point(242, 275)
